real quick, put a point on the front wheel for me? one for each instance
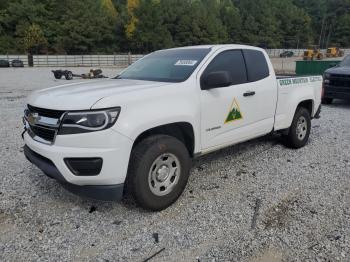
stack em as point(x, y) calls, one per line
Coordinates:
point(299, 131)
point(158, 172)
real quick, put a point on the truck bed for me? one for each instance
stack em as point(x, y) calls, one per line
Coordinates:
point(292, 90)
point(285, 76)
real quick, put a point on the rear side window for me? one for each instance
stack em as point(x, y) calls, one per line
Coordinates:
point(231, 61)
point(257, 67)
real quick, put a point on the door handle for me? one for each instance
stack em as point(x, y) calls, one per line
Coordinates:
point(249, 93)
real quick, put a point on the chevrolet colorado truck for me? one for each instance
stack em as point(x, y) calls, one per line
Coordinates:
point(138, 132)
point(337, 82)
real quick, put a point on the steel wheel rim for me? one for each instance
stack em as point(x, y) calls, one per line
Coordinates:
point(164, 174)
point(301, 128)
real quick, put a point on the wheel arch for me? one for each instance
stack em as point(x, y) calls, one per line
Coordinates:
point(183, 131)
point(307, 104)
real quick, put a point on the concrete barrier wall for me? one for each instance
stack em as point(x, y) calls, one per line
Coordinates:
point(120, 60)
point(85, 60)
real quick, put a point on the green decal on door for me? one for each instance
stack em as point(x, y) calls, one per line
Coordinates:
point(235, 112)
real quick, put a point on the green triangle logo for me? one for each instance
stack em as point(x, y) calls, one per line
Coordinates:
point(235, 112)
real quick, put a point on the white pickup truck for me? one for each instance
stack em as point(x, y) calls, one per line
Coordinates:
point(138, 132)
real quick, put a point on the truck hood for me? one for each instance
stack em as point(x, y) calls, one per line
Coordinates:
point(344, 70)
point(83, 95)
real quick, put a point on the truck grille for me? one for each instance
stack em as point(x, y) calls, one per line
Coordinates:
point(42, 124)
point(340, 80)
point(46, 112)
point(47, 134)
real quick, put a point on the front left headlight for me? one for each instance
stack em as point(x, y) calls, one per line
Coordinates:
point(88, 121)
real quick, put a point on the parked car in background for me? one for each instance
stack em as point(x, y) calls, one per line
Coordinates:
point(137, 133)
point(337, 82)
point(17, 63)
point(287, 54)
point(4, 63)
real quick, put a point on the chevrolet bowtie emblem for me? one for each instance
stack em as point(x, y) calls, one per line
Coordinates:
point(33, 118)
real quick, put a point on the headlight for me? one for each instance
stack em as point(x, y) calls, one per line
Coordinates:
point(88, 121)
point(326, 75)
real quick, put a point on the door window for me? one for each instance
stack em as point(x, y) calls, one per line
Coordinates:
point(257, 67)
point(231, 61)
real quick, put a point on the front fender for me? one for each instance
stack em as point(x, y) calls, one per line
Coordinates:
point(151, 108)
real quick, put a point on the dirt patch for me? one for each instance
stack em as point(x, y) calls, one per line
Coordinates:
point(269, 255)
point(279, 215)
point(6, 223)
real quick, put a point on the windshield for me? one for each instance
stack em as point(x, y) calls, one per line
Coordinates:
point(346, 61)
point(173, 65)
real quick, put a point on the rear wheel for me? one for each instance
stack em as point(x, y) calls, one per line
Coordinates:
point(299, 131)
point(68, 75)
point(158, 172)
point(327, 101)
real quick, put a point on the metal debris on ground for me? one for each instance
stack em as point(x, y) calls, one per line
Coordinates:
point(69, 75)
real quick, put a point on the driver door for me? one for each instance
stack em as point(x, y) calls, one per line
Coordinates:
point(229, 114)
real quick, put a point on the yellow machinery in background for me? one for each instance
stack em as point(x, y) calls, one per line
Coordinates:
point(312, 54)
point(334, 52)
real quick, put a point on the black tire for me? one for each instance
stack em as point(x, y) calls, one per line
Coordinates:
point(143, 159)
point(296, 138)
point(57, 74)
point(68, 75)
point(327, 101)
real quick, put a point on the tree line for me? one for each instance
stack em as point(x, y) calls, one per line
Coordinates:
point(141, 26)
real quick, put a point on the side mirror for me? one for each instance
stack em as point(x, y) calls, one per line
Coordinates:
point(216, 80)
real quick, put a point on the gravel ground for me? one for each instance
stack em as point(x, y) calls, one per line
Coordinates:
point(257, 201)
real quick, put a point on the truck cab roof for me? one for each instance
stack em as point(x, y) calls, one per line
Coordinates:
point(217, 47)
